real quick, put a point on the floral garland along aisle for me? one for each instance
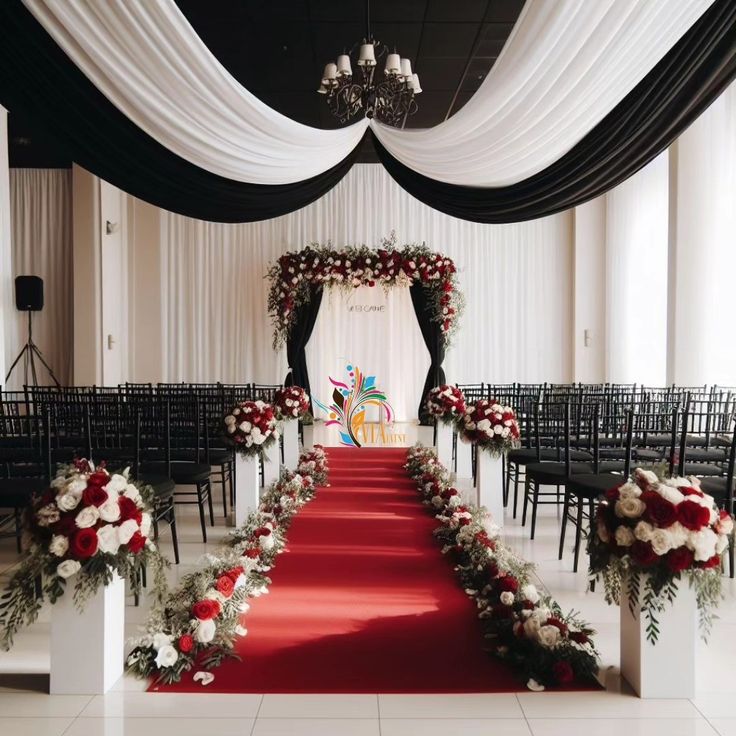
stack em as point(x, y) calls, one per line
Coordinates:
point(292, 275)
point(524, 627)
point(196, 625)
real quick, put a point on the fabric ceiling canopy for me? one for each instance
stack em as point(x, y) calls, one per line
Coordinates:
point(583, 95)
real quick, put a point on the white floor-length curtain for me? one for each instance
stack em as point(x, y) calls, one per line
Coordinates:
point(636, 277)
point(41, 222)
point(516, 280)
point(704, 348)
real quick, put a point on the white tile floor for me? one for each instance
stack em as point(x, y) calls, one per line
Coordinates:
point(25, 709)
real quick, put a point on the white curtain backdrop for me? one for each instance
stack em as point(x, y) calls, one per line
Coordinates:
point(565, 66)
point(704, 349)
point(516, 279)
point(41, 222)
point(636, 277)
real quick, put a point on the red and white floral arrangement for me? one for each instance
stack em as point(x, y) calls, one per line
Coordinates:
point(446, 403)
point(89, 525)
point(524, 626)
point(657, 531)
point(493, 427)
point(250, 427)
point(314, 464)
point(291, 402)
point(296, 273)
point(197, 624)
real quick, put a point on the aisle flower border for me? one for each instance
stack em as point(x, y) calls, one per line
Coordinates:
point(292, 274)
point(197, 623)
point(523, 626)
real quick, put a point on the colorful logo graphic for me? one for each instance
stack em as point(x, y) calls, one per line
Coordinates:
point(349, 403)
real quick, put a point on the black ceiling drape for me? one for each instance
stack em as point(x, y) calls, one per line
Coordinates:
point(695, 71)
point(39, 80)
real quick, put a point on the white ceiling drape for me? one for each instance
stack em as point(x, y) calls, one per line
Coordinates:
point(565, 66)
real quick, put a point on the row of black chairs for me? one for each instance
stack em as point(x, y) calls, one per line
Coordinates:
point(169, 435)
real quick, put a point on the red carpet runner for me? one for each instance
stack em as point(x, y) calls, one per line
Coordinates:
point(362, 601)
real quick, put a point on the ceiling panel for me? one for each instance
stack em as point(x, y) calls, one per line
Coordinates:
point(454, 11)
point(448, 39)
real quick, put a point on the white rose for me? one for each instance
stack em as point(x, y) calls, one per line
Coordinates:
point(661, 541)
point(498, 429)
point(110, 510)
point(59, 545)
point(257, 436)
point(87, 517)
point(507, 598)
point(166, 656)
point(161, 640)
point(116, 484)
point(629, 508)
point(205, 631)
point(68, 501)
point(229, 419)
point(646, 476)
point(107, 539)
point(241, 630)
point(146, 523)
point(670, 494)
point(548, 636)
point(530, 593)
point(245, 427)
point(126, 530)
point(721, 544)
point(531, 626)
point(68, 568)
point(77, 487)
point(624, 536)
point(703, 544)
point(266, 542)
point(132, 493)
point(643, 531)
point(630, 490)
point(484, 425)
point(679, 534)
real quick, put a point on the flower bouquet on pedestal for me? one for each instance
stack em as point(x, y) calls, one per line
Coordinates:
point(291, 402)
point(250, 427)
point(88, 527)
point(491, 426)
point(650, 535)
point(446, 404)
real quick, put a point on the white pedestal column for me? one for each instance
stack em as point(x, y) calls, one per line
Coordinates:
point(665, 669)
point(291, 444)
point(489, 484)
point(308, 437)
point(271, 463)
point(443, 444)
point(464, 456)
point(246, 486)
point(87, 647)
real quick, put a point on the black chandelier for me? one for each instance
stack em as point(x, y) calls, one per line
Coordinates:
point(390, 99)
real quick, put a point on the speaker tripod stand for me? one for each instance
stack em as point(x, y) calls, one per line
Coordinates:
point(29, 353)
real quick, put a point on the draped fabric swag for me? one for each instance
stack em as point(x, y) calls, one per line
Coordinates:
point(298, 338)
point(583, 95)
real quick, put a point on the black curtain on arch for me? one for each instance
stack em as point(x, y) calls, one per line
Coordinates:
point(433, 339)
point(296, 343)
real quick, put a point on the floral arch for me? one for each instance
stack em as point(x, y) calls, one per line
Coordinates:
point(297, 280)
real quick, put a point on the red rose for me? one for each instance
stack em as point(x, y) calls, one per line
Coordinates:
point(66, 525)
point(205, 609)
point(713, 562)
point(186, 643)
point(643, 553)
point(508, 584)
point(563, 672)
point(679, 559)
point(128, 510)
point(136, 543)
point(94, 496)
point(553, 621)
point(690, 491)
point(253, 552)
point(263, 531)
point(579, 637)
point(692, 515)
point(98, 478)
point(492, 570)
point(659, 511)
point(612, 494)
point(225, 585)
point(83, 544)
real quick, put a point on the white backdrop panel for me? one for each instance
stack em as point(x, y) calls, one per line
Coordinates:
point(516, 279)
point(376, 330)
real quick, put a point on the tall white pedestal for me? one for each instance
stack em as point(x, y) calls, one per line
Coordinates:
point(271, 463)
point(443, 444)
point(87, 647)
point(308, 431)
point(489, 484)
point(665, 669)
point(291, 444)
point(464, 457)
point(246, 486)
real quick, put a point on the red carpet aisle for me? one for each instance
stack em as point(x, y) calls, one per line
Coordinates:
point(362, 601)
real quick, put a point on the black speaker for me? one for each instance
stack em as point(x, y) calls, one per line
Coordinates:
point(29, 293)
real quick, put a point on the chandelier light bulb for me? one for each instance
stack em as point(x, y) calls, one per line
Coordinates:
point(415, 84)
point(367, 55)
point(393, 64)
point(329, 73)
point(344, 69)
point(406, 68)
